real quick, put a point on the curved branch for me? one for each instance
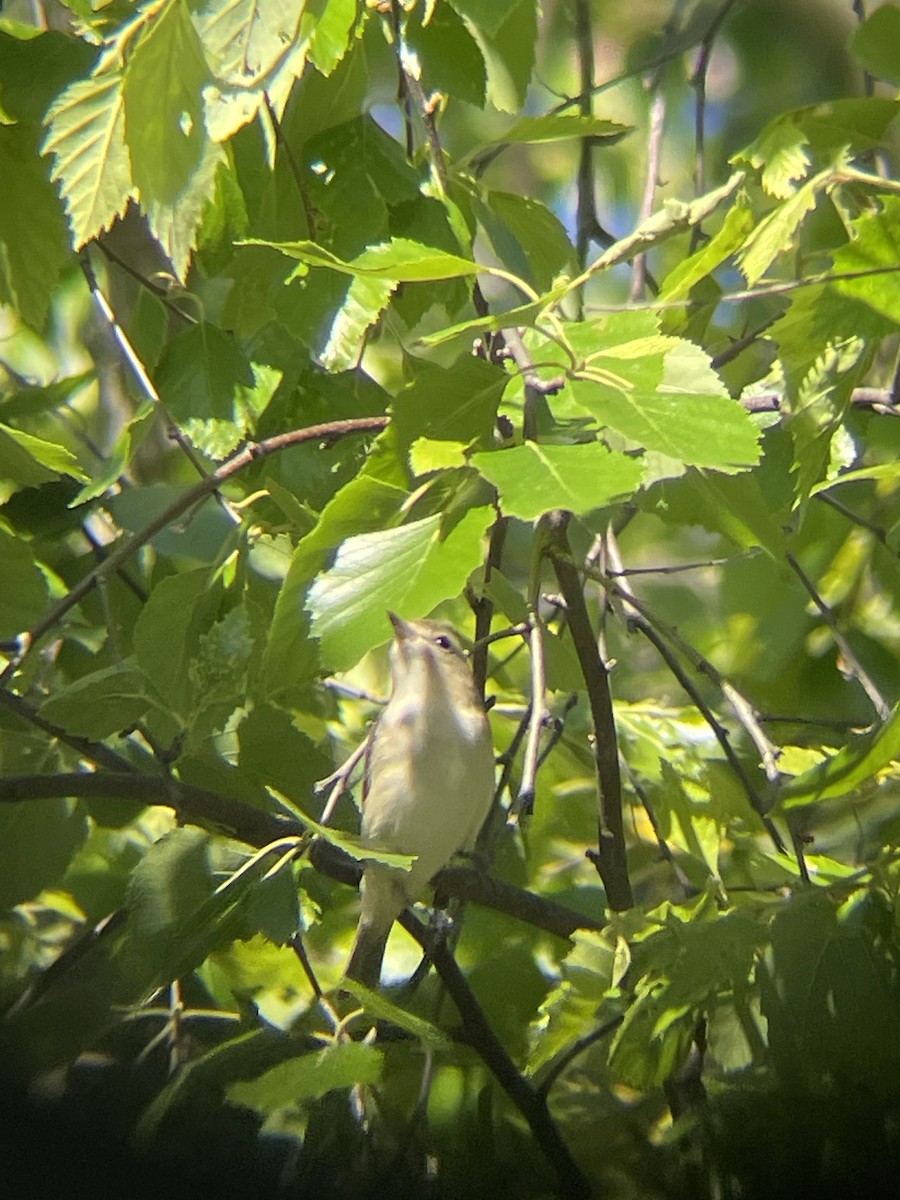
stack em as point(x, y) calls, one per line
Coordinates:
point(258, 828)
point(531, 1103)
point(611, 859)
point(329, 431)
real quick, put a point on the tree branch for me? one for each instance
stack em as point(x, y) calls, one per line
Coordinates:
point(330, 431)
point(530, 1102)
point(610, 858)
point(258, 828)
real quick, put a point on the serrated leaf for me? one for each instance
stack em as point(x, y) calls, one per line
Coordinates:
point(506, 33)
point(448, 55)
point(310, 1076)
point(200, 378)
point(847, 770)
point(363, 504)
point(488, 14)
point(661, 392)
point(780, 151)
point(541, 236)
point(86, 137)
point(167, 630)
point(533, 479)
point(245, 42)
point(738, 224)
point(408, 570)
point(332, 31)
point(594, 965)
point(774, 235)
point(874, 247)
point(816, 411)
point(366, 300)
point(29, 461)
point(176, 223)
point(164, 121)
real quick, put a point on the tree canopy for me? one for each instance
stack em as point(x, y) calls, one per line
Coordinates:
point(573, 324)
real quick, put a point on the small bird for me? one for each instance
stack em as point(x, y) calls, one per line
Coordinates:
point(429, 779)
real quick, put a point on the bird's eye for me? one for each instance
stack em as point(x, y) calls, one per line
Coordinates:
point(443, 641)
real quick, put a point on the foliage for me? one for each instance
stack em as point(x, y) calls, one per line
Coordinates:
point(310, 312)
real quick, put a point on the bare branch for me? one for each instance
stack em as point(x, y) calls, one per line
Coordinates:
point(610, 858)
point(530, 1102)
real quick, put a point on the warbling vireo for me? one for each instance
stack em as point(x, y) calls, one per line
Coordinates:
point(429, 779)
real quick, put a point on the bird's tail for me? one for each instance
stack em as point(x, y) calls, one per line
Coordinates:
point(383, 900)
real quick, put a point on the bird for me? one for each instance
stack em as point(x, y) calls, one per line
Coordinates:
point(429, 780)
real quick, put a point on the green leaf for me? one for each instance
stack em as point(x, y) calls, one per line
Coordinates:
point(592, 968)
point(829, 996)
point(849, 769)
point(100, 704)
point(164, 120)
point(167, 633)
point(201, 378)
point(201, 538)
point(534, 478)
point(780, 150)
point(876, 43)
point(86, 137)
point(33, 235)
point(541, 237)
point(448, 405)
point(28, 461)
point(310, 1076)
point(873, 247)
point(365, 504)
point(399, 259)
point(38, 839)
point(409, 570)
point(661, 392)
point(558, 127)
point(176, 223)
point(448, 55)
point(330, 37)
point(490, 15)
point(245, 44)
point(818, 409)
point(738, 224)
point(366, 300)
point(774, 235)
point(506, 33)
point(24, 594)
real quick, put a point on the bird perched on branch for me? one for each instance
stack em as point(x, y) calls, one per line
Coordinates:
point(429, 779)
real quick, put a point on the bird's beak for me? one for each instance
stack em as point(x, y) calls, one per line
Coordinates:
point(402, 629)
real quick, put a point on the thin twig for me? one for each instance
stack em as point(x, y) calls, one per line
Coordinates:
point(854, 666)
point(698, 82)
point(659, 633)
point(137, 367)
point(575, 1050)
point(525, 799)
point(654, 150)
point(327, 432)
point(483, 605)
point(586, 214)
